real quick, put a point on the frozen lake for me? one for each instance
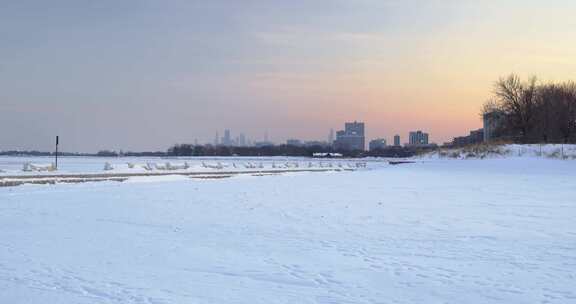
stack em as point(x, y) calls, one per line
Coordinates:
point(11, 165)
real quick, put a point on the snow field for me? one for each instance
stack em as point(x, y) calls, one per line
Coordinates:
point(444, 231)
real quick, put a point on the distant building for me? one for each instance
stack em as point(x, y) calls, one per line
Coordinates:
point(418, 138)
point(475, 137)
point(459, 141)
point(242, 140)
point(351, 138)
point(492, 124)
point(397, 140)
point(376, 144)
point(331, 137)
point(294, 142)
point(227, 139)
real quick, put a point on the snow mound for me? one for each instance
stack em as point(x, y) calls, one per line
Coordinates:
point(554, 151)
point(30, 167)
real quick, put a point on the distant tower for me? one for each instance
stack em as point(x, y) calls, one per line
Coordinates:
point(331, 137)
point(227, 139)
point(397, 140)
point(217, 139)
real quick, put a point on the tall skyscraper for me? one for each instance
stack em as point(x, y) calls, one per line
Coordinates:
point(397, 140)
point(352, 137)
point(354, 128)
point(227, 139)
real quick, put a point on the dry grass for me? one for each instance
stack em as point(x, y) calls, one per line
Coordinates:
point(474, 151)
point(502, 149)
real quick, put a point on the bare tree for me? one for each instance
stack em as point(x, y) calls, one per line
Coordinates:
point(490, 106)
point(566, 110)
point(548, 100)
point(532, 111)
point(518, 100)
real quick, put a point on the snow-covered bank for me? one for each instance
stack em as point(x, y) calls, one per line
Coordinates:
point(443, 231)
point(80, 170)
point(554, 151)
point(33, 166)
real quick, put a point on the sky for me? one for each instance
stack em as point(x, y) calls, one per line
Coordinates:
point(145, 74)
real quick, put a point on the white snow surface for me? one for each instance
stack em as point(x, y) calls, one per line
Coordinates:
point(439, 231)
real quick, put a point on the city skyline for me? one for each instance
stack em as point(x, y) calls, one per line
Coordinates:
point(143, 75)
point(339, 139)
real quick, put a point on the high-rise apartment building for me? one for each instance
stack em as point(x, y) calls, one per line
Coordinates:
point(352, 137)
point(418, 138)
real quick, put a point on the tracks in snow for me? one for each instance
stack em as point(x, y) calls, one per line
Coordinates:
point(17, 180)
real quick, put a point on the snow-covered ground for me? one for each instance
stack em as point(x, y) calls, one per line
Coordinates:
point(436, 231)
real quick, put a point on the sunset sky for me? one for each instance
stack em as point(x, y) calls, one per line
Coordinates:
point(142, 75)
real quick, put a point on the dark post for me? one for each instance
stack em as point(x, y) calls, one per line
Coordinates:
point(56, 152)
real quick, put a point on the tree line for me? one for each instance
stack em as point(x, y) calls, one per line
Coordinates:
point(287, 150)
point(211, 150)
point(269, 150)
point(533, 112)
